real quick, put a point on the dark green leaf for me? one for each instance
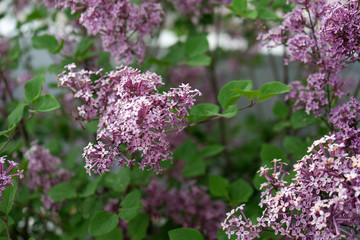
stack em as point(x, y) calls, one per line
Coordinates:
point(281, 110)
point(138, 227)
point(131, 205)
point(295, 146)
point(196, 45)
point(118, 182)
point(175, 54)
point(185, 234)
point(59, 48)
point(8, 196)
point(8, 131)
point(219, 187)
point(83, 47)
point(62, 191)
point(103, 223)
point(91, 187)
point(45, 41)
point(239, 5)
point(240, 192)
point(186, 150)
point(227, 96)
point(211, 150)
point(46, 103)
point(115, 234)
point(269, 153)
point(301, 119)
point(271, 89)
point(194, 167)
point(203, 111)
point(33, 88)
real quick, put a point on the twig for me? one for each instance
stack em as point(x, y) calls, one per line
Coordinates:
point(7, 227)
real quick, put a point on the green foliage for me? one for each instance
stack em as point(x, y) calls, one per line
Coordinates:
point(269, 153)
point(118, 182)
point(195, 166)
point(219, 187)
point(62, 191)
point(102, 223)
point(295, 146)
point(33, 88)
point(271, 89)
point(240, 192)
point(301, 119)
point(185, 234)
point(138, 227)
point(8, 196)
point(47, 42)
point(227, 96)
point(211, 150)
point(131, 206)
point(281, 110)
point(16, 115)
point(46, 103)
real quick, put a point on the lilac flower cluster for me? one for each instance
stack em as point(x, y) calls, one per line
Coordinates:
point(5, 176)
point(189, 206)
point(131, 111)
point(44, 172)
point(322, 202)
point(198, 7)
point(323, 35)
point(123, 25)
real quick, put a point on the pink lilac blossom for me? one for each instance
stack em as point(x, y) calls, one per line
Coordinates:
point(44, 172)
point(5, 176)
point(130, 111)
point(189, 206)
point(322, 201)
point(122, 25)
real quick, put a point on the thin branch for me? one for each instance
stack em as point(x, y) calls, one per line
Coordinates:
point(7, 227)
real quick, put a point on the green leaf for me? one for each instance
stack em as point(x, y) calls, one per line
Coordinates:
point(295, 146)
point(227, 96)
point(59, 48)
point(271, 89)
point(103, 223)
point(131, 206)
point(86, 206)
point(248, 94)
point(8, 131)
point(91, 187)
point(45, 41)
point(251, 13)
point(258, 180)
point(194, 167)
point(281, 110)
point(240, 192)
point(211, 150)
point(301, 119)
point(175, 54)
point(269, 153)
point(138, 227)
point(83, 47)
point(118, 182)
point(16, 115)
point(115, 234)
point(186, 150)
point(203, 111)
point(196, 45)
point(104, 59)
point(267, 14)
point(62, 191)
point(239, 5)
point(185, 234)
point(33, 88)
point(230, 112)
point(219, 187)
point(198, 60)
point(8, 196)
point(46, 103)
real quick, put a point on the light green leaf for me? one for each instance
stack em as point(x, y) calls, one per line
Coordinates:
point(103, 223)
point(46, 103)
point(185, 234)
point(175, 54)
point(16, 115)
point(251, 13)
point(219, 187)
point(33, 88)
point(62, 191)
point(211, 150)
point(131, 205)
point(115, 234)
point(271, 89)
point(8, 196)
point(198, 60)
point(239, 5)
point(203, 111)
point(248, 94)
point(45, 41)
point(118, 182)
point(230, 112)
point(227, 96)
point(196, 45)
point(266, 14)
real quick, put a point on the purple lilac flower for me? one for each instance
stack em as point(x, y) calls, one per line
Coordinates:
point(131, 111)
point(122, 25)
point(322, 201)
point(44, 172)
point(189, 206)
point(5, 177)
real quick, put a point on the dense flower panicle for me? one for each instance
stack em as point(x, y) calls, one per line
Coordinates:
point(199, 7)
point(131, 111)
point(122, 25)
point(346, 118)
point(322, 202)
point(5, 177)
point(189, 206)
point(44, 172)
